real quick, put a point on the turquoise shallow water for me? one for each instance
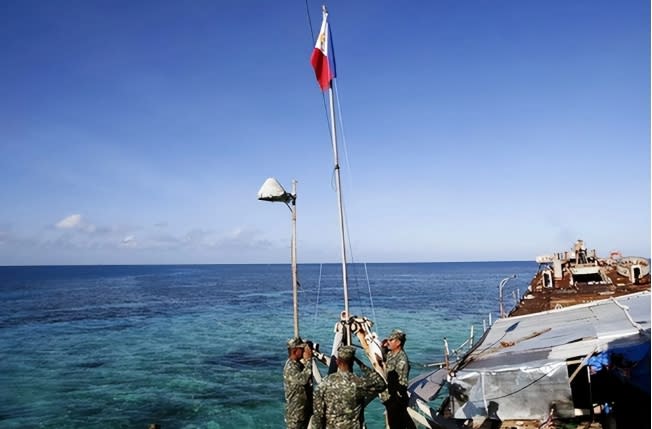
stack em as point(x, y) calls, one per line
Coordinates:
point(204, 346)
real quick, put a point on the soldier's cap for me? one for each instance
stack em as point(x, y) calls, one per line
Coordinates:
point(295, 343)
point(346, 353)
point(397, 334)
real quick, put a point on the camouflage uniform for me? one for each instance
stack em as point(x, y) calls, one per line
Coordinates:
point(297, 381)
point(395, 397)
point(397, 368)
point(341, 397)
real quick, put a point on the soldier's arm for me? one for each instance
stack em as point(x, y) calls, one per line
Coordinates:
point(296, 375)
point(403, 369)
point(306, 374)
point(373, 383)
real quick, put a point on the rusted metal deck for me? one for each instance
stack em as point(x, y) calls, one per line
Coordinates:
point(580, 276)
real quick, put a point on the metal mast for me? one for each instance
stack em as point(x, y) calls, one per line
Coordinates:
point(338, 186)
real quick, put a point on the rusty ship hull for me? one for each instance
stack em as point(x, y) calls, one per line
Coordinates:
point(580, 276)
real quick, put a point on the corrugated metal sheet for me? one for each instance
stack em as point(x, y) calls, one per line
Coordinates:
point(520, 366)
point(557, 335)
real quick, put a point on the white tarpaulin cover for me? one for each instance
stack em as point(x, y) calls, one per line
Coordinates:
point(520, 366)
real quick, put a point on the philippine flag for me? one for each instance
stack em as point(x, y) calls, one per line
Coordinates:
point(319, 59)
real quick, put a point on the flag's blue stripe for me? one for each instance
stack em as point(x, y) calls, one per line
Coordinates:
point(331, 56)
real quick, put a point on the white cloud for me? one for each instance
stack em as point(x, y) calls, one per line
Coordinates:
point(70, 222)
point(73, 240)
point(76, 222)
point(129, 241)
point(241, 234)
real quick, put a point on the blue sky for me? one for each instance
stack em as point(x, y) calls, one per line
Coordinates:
point(140, 132)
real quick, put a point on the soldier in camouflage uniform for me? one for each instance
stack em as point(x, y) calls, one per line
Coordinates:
point(297, 381)
point(340, 398)
point(397, 368)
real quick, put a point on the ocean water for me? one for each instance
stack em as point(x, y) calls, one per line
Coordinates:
point(203, 346)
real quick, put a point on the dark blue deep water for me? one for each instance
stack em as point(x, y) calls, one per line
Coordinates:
point(203, 346)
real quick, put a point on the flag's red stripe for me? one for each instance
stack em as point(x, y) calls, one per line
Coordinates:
point(322, 68)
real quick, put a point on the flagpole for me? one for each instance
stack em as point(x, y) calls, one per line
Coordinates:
point(338, 187)
point(325, 75)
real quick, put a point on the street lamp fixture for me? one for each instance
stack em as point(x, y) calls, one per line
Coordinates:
point(273, 191)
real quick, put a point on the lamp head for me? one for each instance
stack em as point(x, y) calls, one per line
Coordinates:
point(273, 191)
